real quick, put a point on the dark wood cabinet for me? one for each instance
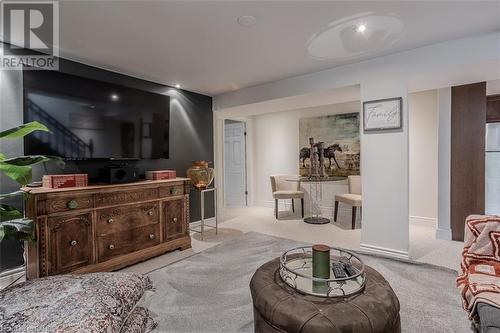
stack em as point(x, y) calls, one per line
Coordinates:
point(175, 218)
point(106, 227)
point(493, 109)
point(70, 242)
point(467, 174)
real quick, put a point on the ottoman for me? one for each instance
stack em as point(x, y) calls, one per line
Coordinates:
point(280, 308)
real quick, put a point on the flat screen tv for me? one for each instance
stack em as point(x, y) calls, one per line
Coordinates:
point(91, 119)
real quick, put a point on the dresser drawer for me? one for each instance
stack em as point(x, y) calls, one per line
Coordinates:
point(117, 219)
point(128, 241)
point(68, 203)
point(125, 196)
point(172, 190)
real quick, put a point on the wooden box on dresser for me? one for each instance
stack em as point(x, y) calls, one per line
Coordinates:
point(105, 227)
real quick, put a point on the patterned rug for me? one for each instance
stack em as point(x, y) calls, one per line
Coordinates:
point(208, 292)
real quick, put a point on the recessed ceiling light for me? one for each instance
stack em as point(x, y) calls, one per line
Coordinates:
point(247, 21)
point(178, 86)
point(115, 97)
point(361, 28)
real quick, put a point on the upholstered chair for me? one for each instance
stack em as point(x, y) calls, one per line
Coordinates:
point(283, 188)
point(353, 198)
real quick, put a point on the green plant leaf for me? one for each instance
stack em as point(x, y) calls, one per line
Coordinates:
point(21, 174)
point(2, 157)
point(12, 195)
point(8, 213)
point(34, 159)
point(19, 168)
point(23, 130)
point(21, 229)
point(25, 160)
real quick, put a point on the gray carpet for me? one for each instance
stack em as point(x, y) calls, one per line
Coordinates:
point(208, 292)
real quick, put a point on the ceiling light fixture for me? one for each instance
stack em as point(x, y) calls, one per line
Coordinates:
point(178, 86)
point(247, 20)
point(361, 28)
point(114, 97)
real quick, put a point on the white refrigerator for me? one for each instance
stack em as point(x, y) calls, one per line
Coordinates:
point(492, 169)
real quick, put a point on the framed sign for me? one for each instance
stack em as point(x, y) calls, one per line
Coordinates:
point(383, 114)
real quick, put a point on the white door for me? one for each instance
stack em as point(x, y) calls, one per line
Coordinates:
point(234, 164)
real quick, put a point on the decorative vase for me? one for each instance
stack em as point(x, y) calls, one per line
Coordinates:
point(201, 175)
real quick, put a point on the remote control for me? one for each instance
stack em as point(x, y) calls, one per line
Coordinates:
point(351, 271)
point(338, 270)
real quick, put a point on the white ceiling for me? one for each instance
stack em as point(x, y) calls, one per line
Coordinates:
point(201, 46)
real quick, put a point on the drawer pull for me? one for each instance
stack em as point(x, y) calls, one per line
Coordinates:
point(73, 243)
point(110, 220)
point(151, 236)
point(111, 246)
point(72, 204)
point(150, 213)
point(174, 220)
point(173, 190)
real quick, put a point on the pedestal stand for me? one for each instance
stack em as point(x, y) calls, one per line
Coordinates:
point(202, 225)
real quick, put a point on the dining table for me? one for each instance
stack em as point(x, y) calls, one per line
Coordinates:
point(315, 184)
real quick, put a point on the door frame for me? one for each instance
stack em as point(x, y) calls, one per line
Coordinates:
point(219, 157)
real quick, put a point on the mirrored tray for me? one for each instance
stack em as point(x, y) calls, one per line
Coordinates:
point(296, 271)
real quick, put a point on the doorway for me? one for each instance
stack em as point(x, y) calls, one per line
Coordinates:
point(235, 179)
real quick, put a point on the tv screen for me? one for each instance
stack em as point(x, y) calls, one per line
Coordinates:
point(91, 119)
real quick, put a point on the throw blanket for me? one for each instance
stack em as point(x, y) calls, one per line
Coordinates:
point(480, 278)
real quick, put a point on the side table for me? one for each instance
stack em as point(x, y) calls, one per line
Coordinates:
point(202, 225)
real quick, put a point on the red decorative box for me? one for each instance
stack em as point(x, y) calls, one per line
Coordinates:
point(161, 174)
point(60, 181)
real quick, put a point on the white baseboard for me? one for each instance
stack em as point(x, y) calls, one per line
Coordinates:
point(382, 251)
point(431, 221)
point(10, 276)
point(444, 234)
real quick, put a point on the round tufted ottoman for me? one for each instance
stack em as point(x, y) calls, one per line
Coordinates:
point(280, 308)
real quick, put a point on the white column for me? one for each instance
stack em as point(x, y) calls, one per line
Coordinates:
point(385, 176)
point(444, 163)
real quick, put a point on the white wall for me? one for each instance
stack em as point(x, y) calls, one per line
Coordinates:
point(385, 156)
point(384, 166)
point(423, 132)
point(444, 164)
point(276, 150)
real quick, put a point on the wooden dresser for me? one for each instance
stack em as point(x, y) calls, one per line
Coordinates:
point(105, 227)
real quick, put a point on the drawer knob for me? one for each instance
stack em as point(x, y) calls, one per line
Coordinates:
point(173, 190)
point(111, 246)
point(73, 243)
point(150, 213)
point(72, 204)
point(174, 220)
point(151, 236)
point(110, 220)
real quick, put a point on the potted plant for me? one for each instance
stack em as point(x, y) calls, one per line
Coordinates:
point(13, 223)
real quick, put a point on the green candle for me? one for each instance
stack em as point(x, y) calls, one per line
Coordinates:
point(321, 266)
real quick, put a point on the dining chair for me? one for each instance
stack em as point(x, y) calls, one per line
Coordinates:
point(353, 198)
point(285, 187)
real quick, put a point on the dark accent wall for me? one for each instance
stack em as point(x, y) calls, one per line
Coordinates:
point(468, 127)
point(493, 109)
point(191, 135)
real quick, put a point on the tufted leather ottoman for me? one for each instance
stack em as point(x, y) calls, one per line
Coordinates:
point(280, 308)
